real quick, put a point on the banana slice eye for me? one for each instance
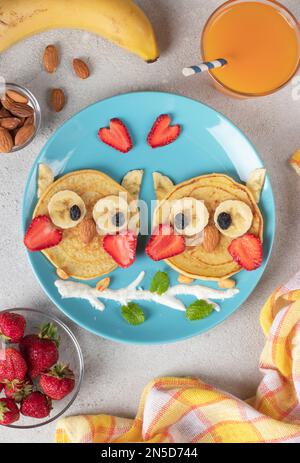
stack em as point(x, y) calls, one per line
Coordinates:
point(189, 216)
point(66, 209)
point(111, 214)
point(233, 218)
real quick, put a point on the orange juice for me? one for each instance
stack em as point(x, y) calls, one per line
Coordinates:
point(261, 42)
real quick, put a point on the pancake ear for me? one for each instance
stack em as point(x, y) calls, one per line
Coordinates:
point(162, 185)
point(256, 182)
point(132, 182)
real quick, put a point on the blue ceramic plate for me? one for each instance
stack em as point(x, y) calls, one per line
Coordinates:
point(209, 143)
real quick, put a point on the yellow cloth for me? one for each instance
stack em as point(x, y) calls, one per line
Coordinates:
point(186, 410)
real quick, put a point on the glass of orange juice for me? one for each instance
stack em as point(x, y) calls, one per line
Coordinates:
point(260, 41)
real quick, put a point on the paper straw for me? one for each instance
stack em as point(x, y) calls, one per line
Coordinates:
point(206, 66)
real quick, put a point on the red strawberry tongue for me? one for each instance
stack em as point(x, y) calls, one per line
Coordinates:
point(121, 247)
point(164, 244)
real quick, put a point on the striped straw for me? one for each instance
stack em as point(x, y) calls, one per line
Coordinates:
point(206, 66)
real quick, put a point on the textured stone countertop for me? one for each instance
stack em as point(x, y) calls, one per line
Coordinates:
point(228, 355)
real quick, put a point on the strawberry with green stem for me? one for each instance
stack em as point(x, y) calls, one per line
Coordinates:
point(12, 365)
point(41, 350)
point(58, 382)
point(12, 327)
point(9, 412)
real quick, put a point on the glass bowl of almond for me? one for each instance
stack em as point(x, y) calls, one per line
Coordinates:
point(20, 118)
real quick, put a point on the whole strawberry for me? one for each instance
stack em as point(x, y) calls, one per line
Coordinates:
point(36, 405)
point(40, 351)
point(18, 390)
point(12, 327)
point(9, 412)
point(12, 365)
point(58, 382)
point(1, 387)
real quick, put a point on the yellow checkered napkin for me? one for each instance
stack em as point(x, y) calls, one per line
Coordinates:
point(185, 410)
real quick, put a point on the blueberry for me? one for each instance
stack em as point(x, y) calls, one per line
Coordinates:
point(75, 213)
point(224, 220)
point(181, 221)
point(118, 219)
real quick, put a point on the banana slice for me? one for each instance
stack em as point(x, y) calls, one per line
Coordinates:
point(162, 185)
point(132, 182)
point(256, 182)
point(111, 214)
point(189, 216)
point(66, 209)
point(45, 178)
point(233, 218)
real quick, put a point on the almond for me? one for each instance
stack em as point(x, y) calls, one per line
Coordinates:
point(184, 279)
point(87, 230)
point(17, 109)
point(103, 284)
point(227, 284)
point(17, 97)
point(61, 273)
point(4, 113)
point(28, 120)
point(57, 99)
point(211, 238)
point(10, 123)
point(6, 141)
point(81, 68)
point(24, 134)
point(51, 59)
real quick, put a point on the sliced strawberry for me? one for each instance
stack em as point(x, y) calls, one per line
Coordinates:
point(121, 247)
point(42, 234)
point(116, 136)
point(164, 243)
point(162, 133)
point(247, 251)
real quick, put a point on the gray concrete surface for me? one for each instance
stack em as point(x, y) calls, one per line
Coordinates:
point(228, 355)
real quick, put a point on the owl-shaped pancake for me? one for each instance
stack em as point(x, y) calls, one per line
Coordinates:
point(216, 218)
point(84, 211)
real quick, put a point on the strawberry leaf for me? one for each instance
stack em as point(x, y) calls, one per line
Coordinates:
point(133, 313)
point(198, 310)
point(160, 283)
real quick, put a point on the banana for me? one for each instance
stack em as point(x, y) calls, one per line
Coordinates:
point(132, 182)
point(256, 182)
point(233, 218)
point(189, 216)
point(45, 178)
point(66, 209)
point(111, 214)
point(162, 185)
point(120, 21)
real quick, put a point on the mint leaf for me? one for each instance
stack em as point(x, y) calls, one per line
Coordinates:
point(199, 309)
point(133, 314)
point(160, 283)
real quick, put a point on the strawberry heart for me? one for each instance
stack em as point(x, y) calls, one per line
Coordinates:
point(162, 133)
point(116, 136)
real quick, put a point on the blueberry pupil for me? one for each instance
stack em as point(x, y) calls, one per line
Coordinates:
point(181, 221)
point(118, 219)
point(75, 212)
point(224, 220)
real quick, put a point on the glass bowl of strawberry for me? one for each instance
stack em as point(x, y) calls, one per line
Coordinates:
point(41, 368)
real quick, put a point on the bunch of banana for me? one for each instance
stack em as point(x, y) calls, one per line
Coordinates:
point(120, 21)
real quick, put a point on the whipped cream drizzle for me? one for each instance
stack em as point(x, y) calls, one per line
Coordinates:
point(132, 292)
